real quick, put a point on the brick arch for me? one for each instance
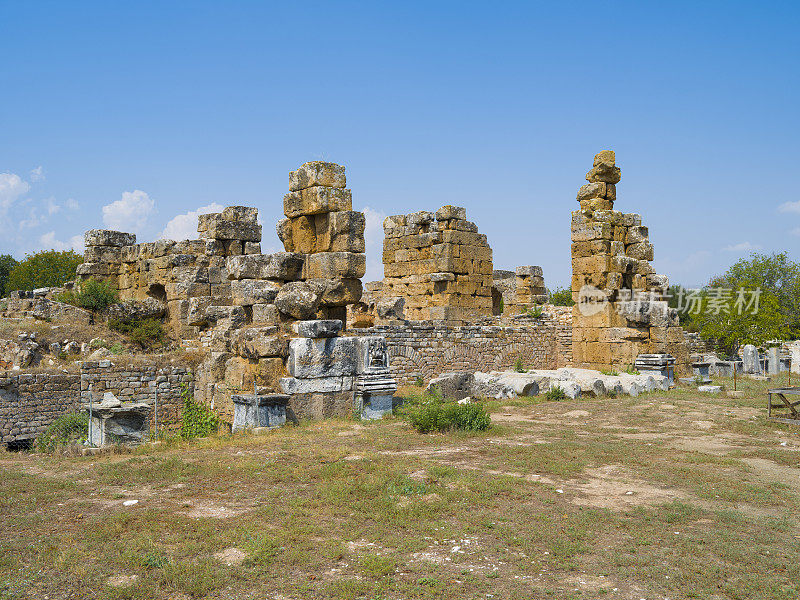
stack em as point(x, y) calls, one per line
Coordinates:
point(513, 351)
point(409, 353)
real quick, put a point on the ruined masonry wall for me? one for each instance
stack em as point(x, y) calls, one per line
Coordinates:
point(429, 350)
point(29, 402)
point(439, 264)
point(620, 311)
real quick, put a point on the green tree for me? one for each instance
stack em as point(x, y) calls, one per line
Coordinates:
point(7, 264)
point(561, 297)
point(47, 268)
point(733, 318)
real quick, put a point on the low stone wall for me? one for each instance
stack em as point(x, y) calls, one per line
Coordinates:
point(140, 384)
point(421, 349)
point(29, 402)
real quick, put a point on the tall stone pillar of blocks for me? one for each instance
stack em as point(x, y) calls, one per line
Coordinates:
point(530, 286)
point(620, 311)
point(439, 264)
point(321, 224)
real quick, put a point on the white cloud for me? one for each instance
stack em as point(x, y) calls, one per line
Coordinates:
point(373, 236)
point(11, 188)
point(184, 226)
point(37, 174)
point(790, 207)
point(795, 231)
point(129, 213)
point(72, 204)
point(48, 241)
point(76, 241)
point(742, 247)
point(35, 218)
point(52, 206)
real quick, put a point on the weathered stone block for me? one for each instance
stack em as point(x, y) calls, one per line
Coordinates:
point(246, 292)
point(266, 314)
point(260, 342)
point(292, 385)
point(245, 214)
point(336, 265)
point(448, 212)
point(327, 357)
point(284, 266)
point(317, 173)
point(318, 328)
point(107, 237)
point(103, 254)
point(338, 292)
point(220, 229)
point(317, 200)
point(298, 299)
point(640, 251)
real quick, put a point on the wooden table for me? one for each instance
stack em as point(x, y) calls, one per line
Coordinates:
point(791, 414)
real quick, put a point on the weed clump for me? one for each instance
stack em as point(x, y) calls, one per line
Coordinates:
point(556, 393)
point(432, 413)
point(197, 420)
point(66, 430)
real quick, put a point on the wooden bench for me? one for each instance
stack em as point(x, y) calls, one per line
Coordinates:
point(784, 411)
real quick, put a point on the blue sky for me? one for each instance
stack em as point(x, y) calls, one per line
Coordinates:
point(136, 115)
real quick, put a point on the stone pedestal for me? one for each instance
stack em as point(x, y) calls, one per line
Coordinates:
point(773, 361)
point(126, 424)
point(663, 364)
point(751, 361)
point(258, 410)
point(375, 387)
point(701, 371)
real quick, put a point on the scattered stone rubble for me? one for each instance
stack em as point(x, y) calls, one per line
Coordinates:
point(439, 264)
point(620, 311)
point(573, 382)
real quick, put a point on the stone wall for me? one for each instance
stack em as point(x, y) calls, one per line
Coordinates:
point(439, 264)
point(426, 350)
point(620, 311)
point(29, 402)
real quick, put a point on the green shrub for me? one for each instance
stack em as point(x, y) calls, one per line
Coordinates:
point(48, 268)
point(434, 414)
point(95, 295)
point(610, 372)
point(519, 367)
point(197, 419)
point(116, 348)
point(631, 371)
point(419, 381)
point(555, 393)
point(561, 297)
point(7, 264)
point(535, 311)
point(71, 428)
point(148, 333)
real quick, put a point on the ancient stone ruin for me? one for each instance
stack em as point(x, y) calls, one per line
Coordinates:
point(620, 311)
point(287, 335)
point(440, 265)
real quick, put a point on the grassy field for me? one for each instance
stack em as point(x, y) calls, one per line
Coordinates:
point(668, 495)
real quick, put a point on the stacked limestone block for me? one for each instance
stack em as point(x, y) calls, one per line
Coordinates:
point(242, 330)
point(322, 226)
point(530, 286)
point(439, 264)
point(104, 254)
point(621, 312)
point(322, 370)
